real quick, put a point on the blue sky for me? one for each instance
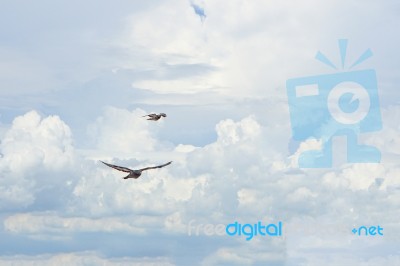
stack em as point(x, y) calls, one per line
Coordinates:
point(77, 77)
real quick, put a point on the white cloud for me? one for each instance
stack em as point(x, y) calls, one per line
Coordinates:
point(32, 145)
point(309, 144)
point(267, 252)
point(47, 223)
point(32, 141)
point(237, 177)
point(83, 258)
point(120, 131)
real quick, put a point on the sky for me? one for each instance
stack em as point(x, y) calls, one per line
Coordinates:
point(77, 77)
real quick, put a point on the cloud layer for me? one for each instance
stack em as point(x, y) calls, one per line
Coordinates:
point(237, 177)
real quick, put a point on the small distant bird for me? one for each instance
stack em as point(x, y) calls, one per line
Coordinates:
point(155, 117)
point(134, 173)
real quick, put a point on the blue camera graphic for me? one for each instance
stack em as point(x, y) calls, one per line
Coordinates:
point(340, 104)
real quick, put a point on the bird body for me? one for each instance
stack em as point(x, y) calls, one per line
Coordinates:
point(155, 117)
point(134, 173)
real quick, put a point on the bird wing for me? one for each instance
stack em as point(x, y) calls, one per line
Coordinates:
point(150, 115)
point(119, 168)
point(154, 167)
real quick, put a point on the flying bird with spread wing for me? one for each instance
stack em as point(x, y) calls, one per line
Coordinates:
point(134, 173)
point(155, 117)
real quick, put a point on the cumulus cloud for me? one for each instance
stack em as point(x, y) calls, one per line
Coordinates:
point(32, 141)
point(32, 147)
point(239, 176)
point(120, 131)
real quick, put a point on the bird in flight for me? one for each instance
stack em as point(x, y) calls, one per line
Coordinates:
point(155, 117)
point(134, 173)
